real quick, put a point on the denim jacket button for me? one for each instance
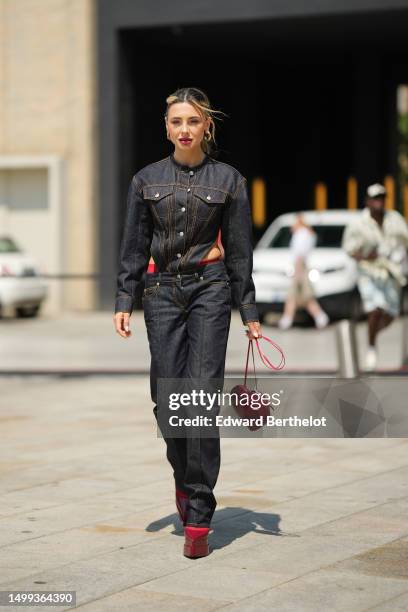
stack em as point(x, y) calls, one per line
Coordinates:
point(181, 233)
point(191, 172)
point(183, 209)
point(156, 195)
point(178, 255)
point(189, 189)
point(208, 197)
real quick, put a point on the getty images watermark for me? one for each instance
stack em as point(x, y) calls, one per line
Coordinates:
point(283, 407)
point(199, 398)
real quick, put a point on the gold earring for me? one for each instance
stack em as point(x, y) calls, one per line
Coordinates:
point(207, 136)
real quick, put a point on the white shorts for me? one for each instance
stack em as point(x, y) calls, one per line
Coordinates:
point(379, 293)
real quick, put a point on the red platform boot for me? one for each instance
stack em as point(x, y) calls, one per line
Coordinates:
point(196, 542)
point(181, 503)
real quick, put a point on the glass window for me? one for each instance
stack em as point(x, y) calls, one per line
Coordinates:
point(328, 237)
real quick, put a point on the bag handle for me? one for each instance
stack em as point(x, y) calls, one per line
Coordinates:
point(263, 357)
point(253, 361)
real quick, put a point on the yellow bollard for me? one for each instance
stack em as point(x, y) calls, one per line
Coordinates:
point(405, 201)
point(352, 193)
point(258, 202)
point(320, 196)
point(389, 185)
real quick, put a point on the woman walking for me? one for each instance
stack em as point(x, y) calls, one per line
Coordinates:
point(188, 226)
point(300, 292)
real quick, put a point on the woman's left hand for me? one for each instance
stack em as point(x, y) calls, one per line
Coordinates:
point(254, 331)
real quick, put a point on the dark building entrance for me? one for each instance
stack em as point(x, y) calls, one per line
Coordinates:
point(309, 100)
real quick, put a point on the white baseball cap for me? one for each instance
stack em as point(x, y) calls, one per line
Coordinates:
point(376, 190)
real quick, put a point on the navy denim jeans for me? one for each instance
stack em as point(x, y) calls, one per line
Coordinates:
point(188, 318)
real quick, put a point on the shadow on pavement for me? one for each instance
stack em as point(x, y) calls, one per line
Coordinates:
point(230, 523)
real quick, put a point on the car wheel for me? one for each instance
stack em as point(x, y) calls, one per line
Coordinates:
point(27, 311)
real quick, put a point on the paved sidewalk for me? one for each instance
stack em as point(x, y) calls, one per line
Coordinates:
point(87, 505)
point(88, 342)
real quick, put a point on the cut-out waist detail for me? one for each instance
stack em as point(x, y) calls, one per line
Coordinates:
point(153, 267)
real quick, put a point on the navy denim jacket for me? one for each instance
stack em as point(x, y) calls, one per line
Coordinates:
point(174, 213)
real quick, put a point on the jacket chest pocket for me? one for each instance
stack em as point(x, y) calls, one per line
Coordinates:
point(209, 201)
point(160, 198)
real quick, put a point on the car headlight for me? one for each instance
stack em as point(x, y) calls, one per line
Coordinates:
point(314, 275)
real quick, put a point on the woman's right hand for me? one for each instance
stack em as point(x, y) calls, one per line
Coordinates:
point(121, 322)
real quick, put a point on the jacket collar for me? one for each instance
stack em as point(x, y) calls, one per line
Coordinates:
point(186, 168)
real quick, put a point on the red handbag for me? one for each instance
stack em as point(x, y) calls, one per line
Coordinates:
point(248, 400)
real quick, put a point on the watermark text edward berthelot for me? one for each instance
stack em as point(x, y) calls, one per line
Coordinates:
point(234, 421)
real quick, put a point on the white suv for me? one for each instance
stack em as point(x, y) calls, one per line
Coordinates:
point(332, 272)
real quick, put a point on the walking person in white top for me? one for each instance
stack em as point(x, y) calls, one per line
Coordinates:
point(301, 293)
point(378, 241)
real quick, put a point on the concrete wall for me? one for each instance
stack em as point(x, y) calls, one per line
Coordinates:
point(48, 109)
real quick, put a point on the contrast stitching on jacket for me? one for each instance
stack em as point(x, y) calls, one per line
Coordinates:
point(234, 170)
point(202, 229)
point(139, 190)
point(194, 218)
point(172, 224)
point(156, 214)
point(204, 226)
point(161, 246)
point(195, 210)
point(207, 208)
point(190, 252)
point(213, 188)
point(238, 188)
point(184, 228)
point(160, 233)
point(190, 223)
point(167, 247)
point(155, 185)
point(183, 257)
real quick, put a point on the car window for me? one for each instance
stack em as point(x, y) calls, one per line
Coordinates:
point(7, 245)
point(328, 236)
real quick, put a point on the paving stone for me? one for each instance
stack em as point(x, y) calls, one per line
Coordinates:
point(312, 548)
point(128, 600)
point(103, 574)
point(214, 583)
point(327, 589)
point(395, 604)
